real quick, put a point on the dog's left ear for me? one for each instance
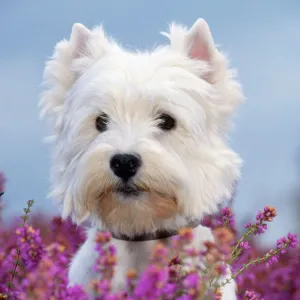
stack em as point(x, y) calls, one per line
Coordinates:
point(200, 43)
point(197, 43)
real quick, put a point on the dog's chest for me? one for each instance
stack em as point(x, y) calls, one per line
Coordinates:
point(133, 255)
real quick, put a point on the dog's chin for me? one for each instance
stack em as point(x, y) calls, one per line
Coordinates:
point(130, 209)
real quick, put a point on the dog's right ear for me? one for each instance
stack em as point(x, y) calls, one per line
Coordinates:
point(79, 39)
point(87, 47)
point(70, 59)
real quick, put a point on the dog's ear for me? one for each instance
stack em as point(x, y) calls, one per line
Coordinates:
point(200, 43)
point(71, 58)
point(87, 47)
point(79, 39)
point(197, 43)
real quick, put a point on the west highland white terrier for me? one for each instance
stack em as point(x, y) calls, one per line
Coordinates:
point(141, 144)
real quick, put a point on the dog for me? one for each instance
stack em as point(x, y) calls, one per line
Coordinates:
point(140, 140)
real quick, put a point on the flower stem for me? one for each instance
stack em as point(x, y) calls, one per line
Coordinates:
point(251, 263)
point(18, 250)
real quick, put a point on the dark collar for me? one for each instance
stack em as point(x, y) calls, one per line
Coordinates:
point(157, 235)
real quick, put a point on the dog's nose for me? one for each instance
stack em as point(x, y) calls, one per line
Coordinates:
point(125, 166)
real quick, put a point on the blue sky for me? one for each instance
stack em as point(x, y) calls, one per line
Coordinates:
point(263, 42)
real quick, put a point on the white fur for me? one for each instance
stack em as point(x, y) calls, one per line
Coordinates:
point(189, 79)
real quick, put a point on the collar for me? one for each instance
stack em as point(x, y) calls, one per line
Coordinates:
point(156, 235)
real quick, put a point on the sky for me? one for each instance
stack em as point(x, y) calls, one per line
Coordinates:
point(262, 40)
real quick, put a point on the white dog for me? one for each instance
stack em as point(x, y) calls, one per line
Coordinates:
point(140, 139)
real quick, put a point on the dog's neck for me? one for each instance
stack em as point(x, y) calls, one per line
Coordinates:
point(156, 235)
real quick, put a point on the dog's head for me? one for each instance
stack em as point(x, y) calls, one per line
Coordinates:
point(140, 137)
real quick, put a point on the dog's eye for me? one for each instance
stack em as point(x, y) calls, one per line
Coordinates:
point(102, 122)
point(166, 122)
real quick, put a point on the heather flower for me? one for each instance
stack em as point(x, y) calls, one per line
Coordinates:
point(175, 260)
point(107, 256)
point(191, 280)
point(186, 235)
point(30, 245)
point(151, 282)
point(287, 242)
point(251, 295)
point(43, 273)
point(260, 228)
point(273, 259)
point(220, 269)
point(281, 242)
point(223, 219)
point(225, 240)
point(66, 233)
point(244, 245)
point(101, 287)
point(76, 292)
point(184, 297)
point(191, 284)
point(180, 243)
point(227, 216)
point(169, 290)
point(54, 265)
point(160, 254)
point(248, 225)
point(267, 215)
point(292, 240)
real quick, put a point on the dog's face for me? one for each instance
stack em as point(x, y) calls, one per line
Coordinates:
point(140, 137)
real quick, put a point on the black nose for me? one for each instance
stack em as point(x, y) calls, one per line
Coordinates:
point(125, 166)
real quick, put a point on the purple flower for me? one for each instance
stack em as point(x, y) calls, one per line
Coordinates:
point(221, 269)
point(267, 215)
point(43, 274)
point(76, 292)
point(260, 228)
point(106, 260)
point(290, 241)
point(273, 259)
point(191, 281)
point(251, 295)
point(102, 287)
point(244, 245)
point(184, 297)
point(227, 216)
point(248, 225)
point(293, 241)
point(31, 246)
point(151, 282)
point(169, 290)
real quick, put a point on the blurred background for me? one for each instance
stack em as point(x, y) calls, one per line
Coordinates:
point(263, 42)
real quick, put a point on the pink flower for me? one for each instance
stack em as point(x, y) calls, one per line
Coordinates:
point(245, 245)
point(227, 216)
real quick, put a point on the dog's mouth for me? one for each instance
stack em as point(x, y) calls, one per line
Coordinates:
point(133, 191)
point(128, 190)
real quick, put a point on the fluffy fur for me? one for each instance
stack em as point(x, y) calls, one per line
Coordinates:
point(185, 172)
